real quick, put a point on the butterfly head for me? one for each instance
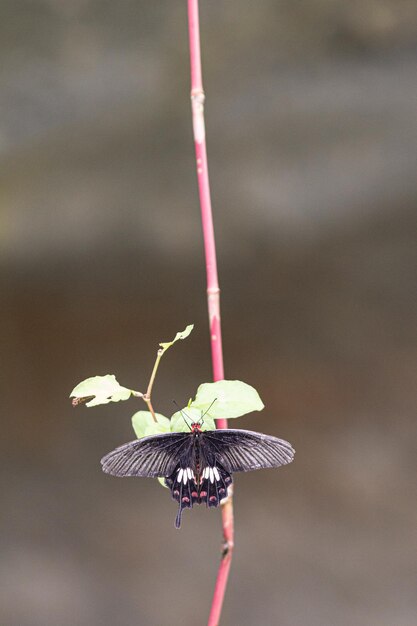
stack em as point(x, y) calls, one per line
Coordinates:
point(196, 427)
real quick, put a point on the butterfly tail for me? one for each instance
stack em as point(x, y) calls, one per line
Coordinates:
point(178, 518)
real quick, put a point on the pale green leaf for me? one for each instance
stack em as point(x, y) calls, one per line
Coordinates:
point(182, 335)
point(144, 424)
point(181, 421)
point(103, 389)
point(229, 399)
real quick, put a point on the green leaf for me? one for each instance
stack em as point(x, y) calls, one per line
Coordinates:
point(181, 425)
point(182, 335)
point(103, 389)
point(144, 424)
point(230, 398)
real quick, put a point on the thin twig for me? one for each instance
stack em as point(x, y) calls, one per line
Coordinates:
point(213, 291)
point(148, 394)
point(155, 369)
point(150, 407)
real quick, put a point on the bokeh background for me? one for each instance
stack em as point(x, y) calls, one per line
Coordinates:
point(312, 138)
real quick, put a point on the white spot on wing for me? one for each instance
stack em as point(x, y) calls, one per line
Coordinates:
point(180, 472)
point(185, 477)
point(216, 473)
point(211, 475)
point(189, 472)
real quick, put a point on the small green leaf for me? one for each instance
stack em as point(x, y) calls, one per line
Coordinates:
point(181, 421)
point(182, 335)
point(144, 424)
point(103, 389)
point(230, 398)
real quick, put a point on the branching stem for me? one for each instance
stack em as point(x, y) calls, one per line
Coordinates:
point(213, 290)
point(147, 396)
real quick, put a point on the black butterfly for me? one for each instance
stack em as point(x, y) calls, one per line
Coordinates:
point(197, 466)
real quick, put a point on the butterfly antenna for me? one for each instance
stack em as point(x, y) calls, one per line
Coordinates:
point(184, 415)
point(205, 413)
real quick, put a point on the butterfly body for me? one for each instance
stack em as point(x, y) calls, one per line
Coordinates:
point(197, 466)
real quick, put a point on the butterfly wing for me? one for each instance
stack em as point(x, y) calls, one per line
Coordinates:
point(219, 453)
point(243, 450)
point(184, 488)
point(153, 456)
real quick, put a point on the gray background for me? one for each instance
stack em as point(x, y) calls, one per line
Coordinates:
point(312, 138)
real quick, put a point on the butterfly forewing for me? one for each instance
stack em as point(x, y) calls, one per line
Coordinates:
point(243, 450)
point(151, 457)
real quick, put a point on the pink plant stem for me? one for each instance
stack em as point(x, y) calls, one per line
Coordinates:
point(213, 291)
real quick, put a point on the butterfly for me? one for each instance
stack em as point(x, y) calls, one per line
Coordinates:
point(198, 465)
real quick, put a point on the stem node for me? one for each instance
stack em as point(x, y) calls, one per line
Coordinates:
point(198, 96)
point(228, 548)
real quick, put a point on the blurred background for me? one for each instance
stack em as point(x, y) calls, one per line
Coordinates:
point(312, 139)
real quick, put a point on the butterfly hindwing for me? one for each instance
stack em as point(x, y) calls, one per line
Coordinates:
point(215, 481)
point(184, 488)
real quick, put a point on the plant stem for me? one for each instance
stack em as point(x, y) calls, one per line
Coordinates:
point(148, 394)
point(150, 407)
point(213, 291)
